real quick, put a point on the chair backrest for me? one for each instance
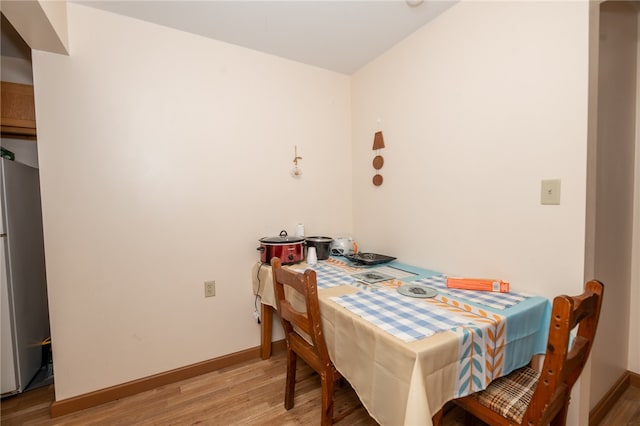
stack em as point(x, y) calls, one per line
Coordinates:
point(563, 364)
point(305, 285)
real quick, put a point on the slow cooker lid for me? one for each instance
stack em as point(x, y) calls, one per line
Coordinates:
point(320, 239)
point(283, 238)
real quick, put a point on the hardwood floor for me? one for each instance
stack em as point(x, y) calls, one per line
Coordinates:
point(251, 393)
point(626, 411)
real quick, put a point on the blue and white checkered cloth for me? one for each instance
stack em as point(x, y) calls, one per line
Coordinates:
point(488, 298)
point(407, 319)
point(328, 276)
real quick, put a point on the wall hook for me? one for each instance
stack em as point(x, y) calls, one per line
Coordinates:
point(296, 171)
point(296, 158)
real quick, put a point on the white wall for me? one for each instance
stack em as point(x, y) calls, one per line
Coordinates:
point(477, 108)
point(164, 157)
point(614, 191)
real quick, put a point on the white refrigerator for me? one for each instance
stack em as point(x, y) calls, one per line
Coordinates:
point(24, 313)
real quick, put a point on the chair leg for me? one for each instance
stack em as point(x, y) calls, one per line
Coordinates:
point(561, 418)
point(328, 388)
point(290, 386)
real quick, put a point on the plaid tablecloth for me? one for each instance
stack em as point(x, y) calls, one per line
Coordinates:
point(404, 382)
point(488, 298)
point(328, 276)
point(398, 315)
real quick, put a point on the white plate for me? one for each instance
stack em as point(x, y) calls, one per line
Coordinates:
point(415, 290)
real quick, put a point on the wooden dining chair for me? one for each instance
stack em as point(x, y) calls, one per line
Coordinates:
point(312, 347)
point(529, 397)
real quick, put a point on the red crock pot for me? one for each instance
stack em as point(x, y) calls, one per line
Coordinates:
point(288, 249)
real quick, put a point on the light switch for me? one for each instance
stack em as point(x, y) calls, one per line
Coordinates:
point(550, 191)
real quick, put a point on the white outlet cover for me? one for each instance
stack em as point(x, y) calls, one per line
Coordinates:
point(550, 192)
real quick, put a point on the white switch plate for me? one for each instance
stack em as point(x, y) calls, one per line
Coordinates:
point(550, 191)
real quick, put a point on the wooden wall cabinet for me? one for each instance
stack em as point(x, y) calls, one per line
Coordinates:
point(18, 112)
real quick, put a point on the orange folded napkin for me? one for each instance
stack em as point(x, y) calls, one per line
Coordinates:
point(479, 284)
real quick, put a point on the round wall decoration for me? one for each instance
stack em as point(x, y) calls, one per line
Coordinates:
point(378, 162)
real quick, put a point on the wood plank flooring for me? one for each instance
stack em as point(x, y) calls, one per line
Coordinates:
point(626, 411)
point(251, 393)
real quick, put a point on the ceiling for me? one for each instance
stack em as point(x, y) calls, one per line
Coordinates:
point(341, 36)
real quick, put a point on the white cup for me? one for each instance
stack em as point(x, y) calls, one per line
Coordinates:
point(312, 256)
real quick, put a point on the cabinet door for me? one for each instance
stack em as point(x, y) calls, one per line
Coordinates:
point(18, 109)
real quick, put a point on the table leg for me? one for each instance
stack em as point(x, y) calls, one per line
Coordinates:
point(266, 331)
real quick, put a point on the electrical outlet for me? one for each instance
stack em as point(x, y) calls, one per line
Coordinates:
point(209, 288)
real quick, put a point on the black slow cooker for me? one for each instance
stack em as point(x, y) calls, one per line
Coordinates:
point(322, 245)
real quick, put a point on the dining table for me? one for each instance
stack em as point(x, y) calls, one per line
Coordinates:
point(405, 341)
